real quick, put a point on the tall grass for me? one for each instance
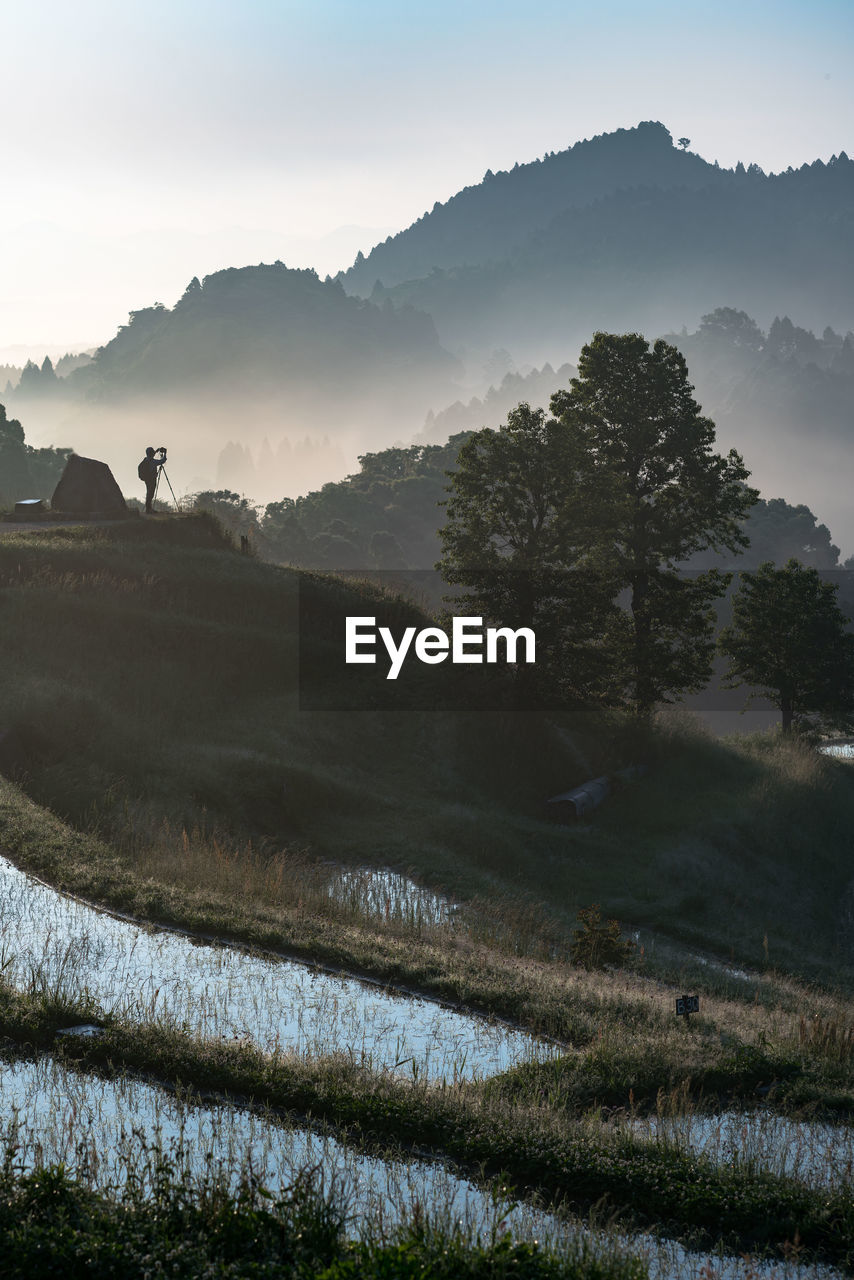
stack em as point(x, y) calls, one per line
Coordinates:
point(165, 1221)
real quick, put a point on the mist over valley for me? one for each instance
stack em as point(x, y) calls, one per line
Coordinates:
point(269, 382)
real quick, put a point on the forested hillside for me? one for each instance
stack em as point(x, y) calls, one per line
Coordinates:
point(260, 353)
point(487, 220)
point(624, 232)
point(250, 330)
point(785, 398)
point(788, 378)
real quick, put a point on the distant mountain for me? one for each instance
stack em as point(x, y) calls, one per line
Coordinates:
point(486, 222)
point(249, 355)
point(268, 332)
point(623, 232)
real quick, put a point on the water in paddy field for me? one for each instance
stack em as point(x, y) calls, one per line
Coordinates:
point(387, 895)
point(819, 1155)
point(842, 750)
point(142, 973)
point(105, 1130)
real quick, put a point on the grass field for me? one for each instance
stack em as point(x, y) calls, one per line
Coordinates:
point(150, 679)
point(159, 760)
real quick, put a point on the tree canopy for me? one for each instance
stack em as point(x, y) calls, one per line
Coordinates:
point(549, 519)
point(519, 532)
point(668, 496)
point(26, 472)
point(789, 641)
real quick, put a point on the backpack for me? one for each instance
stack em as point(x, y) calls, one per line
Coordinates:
point(144, 470)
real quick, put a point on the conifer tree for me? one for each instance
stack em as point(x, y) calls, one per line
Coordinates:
point(667, 495)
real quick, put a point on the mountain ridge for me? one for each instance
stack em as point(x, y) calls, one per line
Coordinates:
point(561, 180)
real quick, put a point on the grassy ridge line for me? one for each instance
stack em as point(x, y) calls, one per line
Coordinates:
point(536, 1149)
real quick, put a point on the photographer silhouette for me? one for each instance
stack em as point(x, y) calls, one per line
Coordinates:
point(149, 471)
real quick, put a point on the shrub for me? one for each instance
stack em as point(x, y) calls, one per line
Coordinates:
point(596, 944)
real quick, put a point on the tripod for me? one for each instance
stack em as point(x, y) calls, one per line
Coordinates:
point(161, 471)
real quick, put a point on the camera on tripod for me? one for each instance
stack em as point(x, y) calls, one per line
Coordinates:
point(160, 454)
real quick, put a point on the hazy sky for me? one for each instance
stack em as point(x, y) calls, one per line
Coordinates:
point(145, 144)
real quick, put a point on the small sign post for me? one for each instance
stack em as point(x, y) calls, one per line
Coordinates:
point(686, 1005)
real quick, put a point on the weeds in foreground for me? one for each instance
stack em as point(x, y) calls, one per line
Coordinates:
point(161, 1217)
point(112, 1133)
point(827, 1038)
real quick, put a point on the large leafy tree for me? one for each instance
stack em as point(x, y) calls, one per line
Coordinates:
point(669, 496)
point(789, 640)
point(518, 537)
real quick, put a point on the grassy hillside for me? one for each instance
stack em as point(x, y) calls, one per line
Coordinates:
point(151, 698)
point(176, 747)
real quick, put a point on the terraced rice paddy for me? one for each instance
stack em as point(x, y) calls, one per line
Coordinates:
point(819, 1155)
point(107, 1131)
point(387, 895)
point(143, 974)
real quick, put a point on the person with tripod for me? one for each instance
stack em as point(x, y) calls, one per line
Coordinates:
point(149, 471)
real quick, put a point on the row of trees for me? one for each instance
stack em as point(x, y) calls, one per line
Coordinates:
point(579, 525)
point(387, 517)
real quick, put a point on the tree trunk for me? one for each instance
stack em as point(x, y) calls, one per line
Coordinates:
point(643, 697)
point(786, 712)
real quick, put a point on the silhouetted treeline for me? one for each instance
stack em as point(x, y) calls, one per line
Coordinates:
point(387, 516)
point(536, 387)
point(787, 378)
point(266, 329)
point(489, 220)
point(10, 376)
point(39, 380)
point(778, 532)
point(26, 472)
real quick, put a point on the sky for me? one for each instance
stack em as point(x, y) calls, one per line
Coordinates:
point(146, 144)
